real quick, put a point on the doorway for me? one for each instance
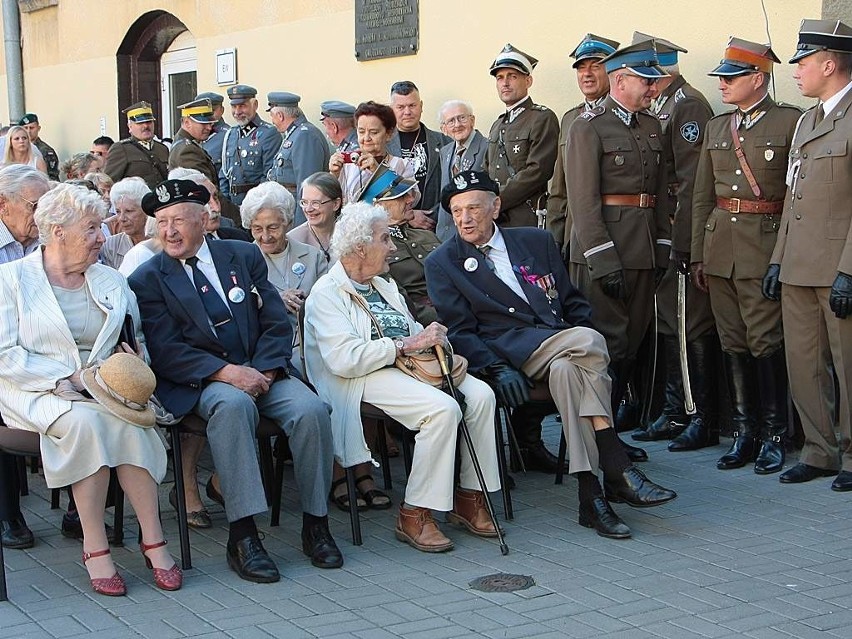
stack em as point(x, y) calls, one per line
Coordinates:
point(178, 79)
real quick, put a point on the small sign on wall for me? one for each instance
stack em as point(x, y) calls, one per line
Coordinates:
point(226, 66)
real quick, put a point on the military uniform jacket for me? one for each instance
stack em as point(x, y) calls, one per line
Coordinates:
point(303, 152)
point(413, 246)
point(188, 153)
point(347, 144)
point(739, 244)
point(683, 113)
point(129, 158)
point(815, 239)
point(213, 145)
point(613, 152)
point(50, 158)
point(248, 154)
point(521, 154)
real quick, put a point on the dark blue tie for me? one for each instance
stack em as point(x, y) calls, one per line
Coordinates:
point(223, 323)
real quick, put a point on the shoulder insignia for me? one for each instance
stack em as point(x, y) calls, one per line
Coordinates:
point(679, 95)
point(690, 131)
point(539, 107)
point(787, 105)
point(304, 127)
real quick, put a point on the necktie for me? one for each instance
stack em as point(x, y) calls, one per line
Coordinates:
point(457, 162)
point(225, 326)
point(820, 114)
point(485, 250)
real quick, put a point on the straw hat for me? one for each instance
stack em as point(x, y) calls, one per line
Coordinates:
point(123, 384)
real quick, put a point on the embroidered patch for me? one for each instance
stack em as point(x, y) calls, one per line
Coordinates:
point(690, 131)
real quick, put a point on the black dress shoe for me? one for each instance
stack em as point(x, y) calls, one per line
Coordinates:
point(742, 451)
point(801, 472)
point(537, 457)
point(695, 436)
point(248, 558)
point(194, 518)
point(634, 453)
point(214, 494)
point(73, 529)
point(599, 515)
point(318, 544)
point(842, 482)
point(634, 489)
point(15, 534)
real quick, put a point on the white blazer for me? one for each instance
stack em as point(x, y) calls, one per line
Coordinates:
point(36, 346)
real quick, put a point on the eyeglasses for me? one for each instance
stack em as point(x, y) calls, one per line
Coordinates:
point(460, 119)
point(33, 205)
point(730, 79)
point(313, 204)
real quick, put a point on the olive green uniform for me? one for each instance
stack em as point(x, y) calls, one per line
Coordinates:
point(50, 158)
point(131, 158)
point(188, 153)
point(735, 246)
point(406, 267)
point(611, 151)
point(521, 154)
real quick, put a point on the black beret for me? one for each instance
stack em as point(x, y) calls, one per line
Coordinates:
point(173, 192)
point(468, 181)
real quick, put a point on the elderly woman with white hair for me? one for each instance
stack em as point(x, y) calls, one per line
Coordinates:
point(132, 225)
point(356, 326)
point(267, 212)
point(61, 313)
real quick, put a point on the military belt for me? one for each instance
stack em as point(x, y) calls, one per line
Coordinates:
point(736, 205)
point(237, 189)
point(640, 200)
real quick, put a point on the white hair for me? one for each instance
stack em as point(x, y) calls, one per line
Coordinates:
point(268, 195)
point(131, 188)
point(452, 104)
point(16, 177)
point(65, 205)
point(354, 227)
point(193, 175)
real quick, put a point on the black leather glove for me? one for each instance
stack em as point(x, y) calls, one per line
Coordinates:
point(659, 274)
point(681, 261)
point(840, 299)
point(510, 385)
point(771, 286)
point(614, 285)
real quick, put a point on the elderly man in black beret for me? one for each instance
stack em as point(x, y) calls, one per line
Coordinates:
point(221, 348)
point(509, 307)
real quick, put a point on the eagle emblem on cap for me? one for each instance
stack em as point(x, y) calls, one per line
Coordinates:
point(460, 182)
point(163, 193)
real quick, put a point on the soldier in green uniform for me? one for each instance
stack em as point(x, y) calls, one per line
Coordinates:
point(31, 124)
point(139, 155)
point(195, 126)
point(522, 142)
point(683, 113)
point(736, 209)
point(617, 193)
point(812, 260)
point(594, 85)
point(213, 144)
point(248, 147)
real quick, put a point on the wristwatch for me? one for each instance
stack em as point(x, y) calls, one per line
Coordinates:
point(400, 345)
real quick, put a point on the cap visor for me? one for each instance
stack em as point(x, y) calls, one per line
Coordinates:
point(730, 70)
point(239, 100)
point(647, 72)
point(509, 65)
point(203, 119)
point(588, 56)
point(398, 190)
point(801, 53)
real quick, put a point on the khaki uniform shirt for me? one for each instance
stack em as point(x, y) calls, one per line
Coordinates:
point(413, 246)
point(130, 158)
point(188, 153)
point(739, 244)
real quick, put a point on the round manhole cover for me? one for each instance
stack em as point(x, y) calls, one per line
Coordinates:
point(502, 582)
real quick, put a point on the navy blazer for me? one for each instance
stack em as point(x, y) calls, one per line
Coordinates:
point(488, 322)
point(184, 350)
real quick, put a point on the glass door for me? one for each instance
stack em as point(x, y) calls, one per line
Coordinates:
point(178, 81)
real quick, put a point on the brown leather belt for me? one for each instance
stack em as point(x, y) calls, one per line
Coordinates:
point(640, 200)
point(237, 189)
point(736, 205)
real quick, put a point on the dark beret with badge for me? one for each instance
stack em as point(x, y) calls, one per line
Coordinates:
point(468, 181)
point(216, 99)
point(593, 46)
point(139, 112)
point(822, 35)
point(513, 58)
point(173, 192)
point(282, 99)
point(29, 118)
point(241, 93)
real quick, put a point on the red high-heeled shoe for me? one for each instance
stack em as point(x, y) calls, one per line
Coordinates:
point(110, 586)
point(171, 579)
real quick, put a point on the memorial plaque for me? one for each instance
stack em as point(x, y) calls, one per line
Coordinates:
point(386, 28)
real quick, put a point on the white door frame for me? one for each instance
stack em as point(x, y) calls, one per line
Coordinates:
point(180, 57)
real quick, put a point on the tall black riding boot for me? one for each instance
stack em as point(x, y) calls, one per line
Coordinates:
point(742, 387)
point(772, 381)
point(620, 373)
point(703, 427)
point(672, 419)
point(526, 423)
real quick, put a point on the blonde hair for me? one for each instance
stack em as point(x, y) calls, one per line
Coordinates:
point(7, 152)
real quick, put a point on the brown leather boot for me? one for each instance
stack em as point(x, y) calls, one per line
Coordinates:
point(416, 527)
point(469, 511)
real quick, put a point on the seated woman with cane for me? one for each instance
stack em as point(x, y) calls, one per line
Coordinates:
point(356, 325)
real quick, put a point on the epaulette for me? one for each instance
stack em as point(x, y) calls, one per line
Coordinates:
point(591, 115)
point(787, 105)
point(304, 127)
point(539, 107)
point(679, 95)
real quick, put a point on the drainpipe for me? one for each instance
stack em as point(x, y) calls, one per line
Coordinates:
point(14, 63)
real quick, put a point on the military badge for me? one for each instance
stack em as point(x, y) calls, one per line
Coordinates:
point(471, 264)
point(460, 182)
point(768, 154)
point(690, 131)
point(516, 148)
point(619, 160)
point(163, 193)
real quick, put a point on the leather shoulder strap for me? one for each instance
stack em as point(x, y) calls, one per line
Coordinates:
point(738, 149)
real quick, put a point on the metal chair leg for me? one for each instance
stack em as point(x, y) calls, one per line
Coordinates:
point(183, 526)
point(382, 445)
point(22, 476)
point(264, 446)
point(54, 498)
point(4, 595)
point(354, 518)
point(118, 513)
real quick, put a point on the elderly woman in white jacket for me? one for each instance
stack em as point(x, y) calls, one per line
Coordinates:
point(349, 361)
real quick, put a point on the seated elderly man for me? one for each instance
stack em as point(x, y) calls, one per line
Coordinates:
point(511, 310)
point(221, 348)
point(356, 325)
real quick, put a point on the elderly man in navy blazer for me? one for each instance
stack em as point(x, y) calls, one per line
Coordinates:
point(220, 346)
point(509, 307)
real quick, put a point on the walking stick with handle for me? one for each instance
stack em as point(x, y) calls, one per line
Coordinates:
point(468, 440)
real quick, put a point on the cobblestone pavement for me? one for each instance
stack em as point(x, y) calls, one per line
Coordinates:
point(736, 555)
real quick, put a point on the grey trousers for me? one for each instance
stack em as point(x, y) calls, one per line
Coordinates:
point(232, 418)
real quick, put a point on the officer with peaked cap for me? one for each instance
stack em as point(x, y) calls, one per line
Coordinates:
point(594, 85)
point(197, 120)
point(248, 147)
point(736, 209)
point(683, 113)
point(812, 260)
point(139, 155)
point(33, 126)
point(213, 144)
point(303, 151)
point(522, 142)
point(617, 193)
point(338, 119)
